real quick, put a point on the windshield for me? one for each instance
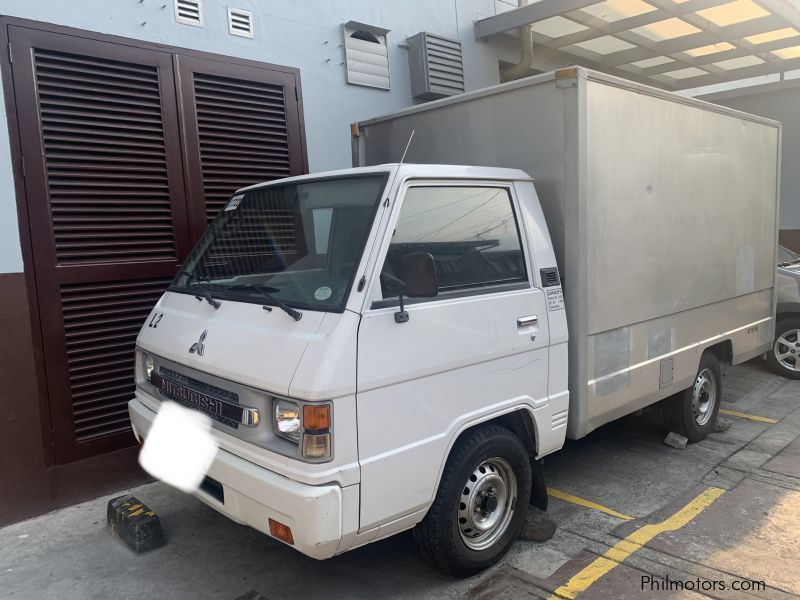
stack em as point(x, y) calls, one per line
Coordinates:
point(295, 244)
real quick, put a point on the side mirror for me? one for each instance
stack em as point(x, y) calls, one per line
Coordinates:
point(420, 281)
point(420, 275)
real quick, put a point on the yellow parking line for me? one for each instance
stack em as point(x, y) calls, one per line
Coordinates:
point(624, 548)
point(588, 504)
point(736, 413)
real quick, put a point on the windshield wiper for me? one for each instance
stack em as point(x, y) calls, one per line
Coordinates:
point(265, 293)
point(790, 263)
point(204, 293)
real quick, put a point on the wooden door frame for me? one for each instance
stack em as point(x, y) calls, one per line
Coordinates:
point(18, 168)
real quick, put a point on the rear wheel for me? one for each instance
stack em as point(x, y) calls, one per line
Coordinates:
point(480, 505)
point(784, 358)
point(693, 412)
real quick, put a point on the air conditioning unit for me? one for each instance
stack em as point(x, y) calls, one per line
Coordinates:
point(436, 66)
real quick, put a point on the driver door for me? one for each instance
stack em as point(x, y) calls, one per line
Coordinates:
point(478, 348)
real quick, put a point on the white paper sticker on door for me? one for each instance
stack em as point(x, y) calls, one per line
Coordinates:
point(555, 298)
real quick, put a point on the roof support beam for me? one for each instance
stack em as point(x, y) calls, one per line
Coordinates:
point(696, 40)
point(570, 49)
point(532, 13)
point(598, 27)
point(760, 51)
point(735, 74)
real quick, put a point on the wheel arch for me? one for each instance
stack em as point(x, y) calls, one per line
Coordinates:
point(723, 351)
point(521, 421)
point(788, 310)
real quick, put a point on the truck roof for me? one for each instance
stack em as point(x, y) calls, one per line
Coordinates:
point(410, 170)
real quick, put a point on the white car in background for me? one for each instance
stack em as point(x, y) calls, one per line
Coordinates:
point(785, 356)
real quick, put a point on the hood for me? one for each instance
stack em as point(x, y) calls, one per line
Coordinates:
point(243, 342)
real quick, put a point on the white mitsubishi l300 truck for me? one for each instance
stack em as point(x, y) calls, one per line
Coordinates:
point(386, 347)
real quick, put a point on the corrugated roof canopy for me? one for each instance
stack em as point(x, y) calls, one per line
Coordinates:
point(673, 44)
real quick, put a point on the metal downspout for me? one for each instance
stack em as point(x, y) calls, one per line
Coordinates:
point(523, 67)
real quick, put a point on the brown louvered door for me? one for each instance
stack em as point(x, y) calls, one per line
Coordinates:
point(241, 125)
point(106, 201)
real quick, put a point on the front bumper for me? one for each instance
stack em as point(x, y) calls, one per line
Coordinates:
point(252, 495)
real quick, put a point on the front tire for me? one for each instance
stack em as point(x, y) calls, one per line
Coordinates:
point(481, 503)
point(784, 358)
point(693, 412)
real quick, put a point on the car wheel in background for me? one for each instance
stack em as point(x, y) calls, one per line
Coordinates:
point(784, 358)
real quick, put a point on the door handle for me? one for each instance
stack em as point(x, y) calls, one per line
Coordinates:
point(527, 321)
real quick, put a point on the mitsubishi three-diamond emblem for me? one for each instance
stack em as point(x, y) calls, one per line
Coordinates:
point(199, 347)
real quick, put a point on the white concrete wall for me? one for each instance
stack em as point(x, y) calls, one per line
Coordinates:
point(299, 33)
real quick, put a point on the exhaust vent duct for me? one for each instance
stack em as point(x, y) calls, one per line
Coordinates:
point(436, 66)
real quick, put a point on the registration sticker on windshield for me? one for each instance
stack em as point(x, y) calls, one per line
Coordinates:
point(555, 298)
point(323, 293)
point(234, 202)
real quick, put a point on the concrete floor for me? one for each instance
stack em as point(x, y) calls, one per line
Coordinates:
point(751, 531)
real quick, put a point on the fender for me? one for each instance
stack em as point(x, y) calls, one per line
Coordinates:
point(459, 427)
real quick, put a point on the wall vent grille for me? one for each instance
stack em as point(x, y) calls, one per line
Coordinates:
point(189, 12)
point(436, 66)
point(366, 55)
point(240, 22)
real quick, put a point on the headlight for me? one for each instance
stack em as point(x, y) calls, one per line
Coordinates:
point(287, 420)
point(147, 366)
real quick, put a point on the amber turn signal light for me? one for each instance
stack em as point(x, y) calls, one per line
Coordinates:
point(316, 417)
point(281, 532)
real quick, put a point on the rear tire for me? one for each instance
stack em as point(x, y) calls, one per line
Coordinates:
point(693, 412)
point(784, 357)
point(481, 503)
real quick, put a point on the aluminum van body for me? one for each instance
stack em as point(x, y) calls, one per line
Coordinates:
point(662, 211)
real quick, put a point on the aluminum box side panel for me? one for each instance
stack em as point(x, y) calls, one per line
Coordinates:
point(681, 210)
point(681, 207)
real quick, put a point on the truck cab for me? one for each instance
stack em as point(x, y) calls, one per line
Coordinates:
point(379, 349)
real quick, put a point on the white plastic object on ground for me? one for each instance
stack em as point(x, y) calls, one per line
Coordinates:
point(179, 448)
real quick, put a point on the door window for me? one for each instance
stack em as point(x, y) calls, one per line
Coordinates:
point(470, 231)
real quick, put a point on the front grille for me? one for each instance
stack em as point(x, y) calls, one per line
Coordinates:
point(202, 387)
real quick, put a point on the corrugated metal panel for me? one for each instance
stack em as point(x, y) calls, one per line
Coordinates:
point(366, 55)
point(243, 136)
point(436, 66)
point(101, 321)
point(106, 162)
